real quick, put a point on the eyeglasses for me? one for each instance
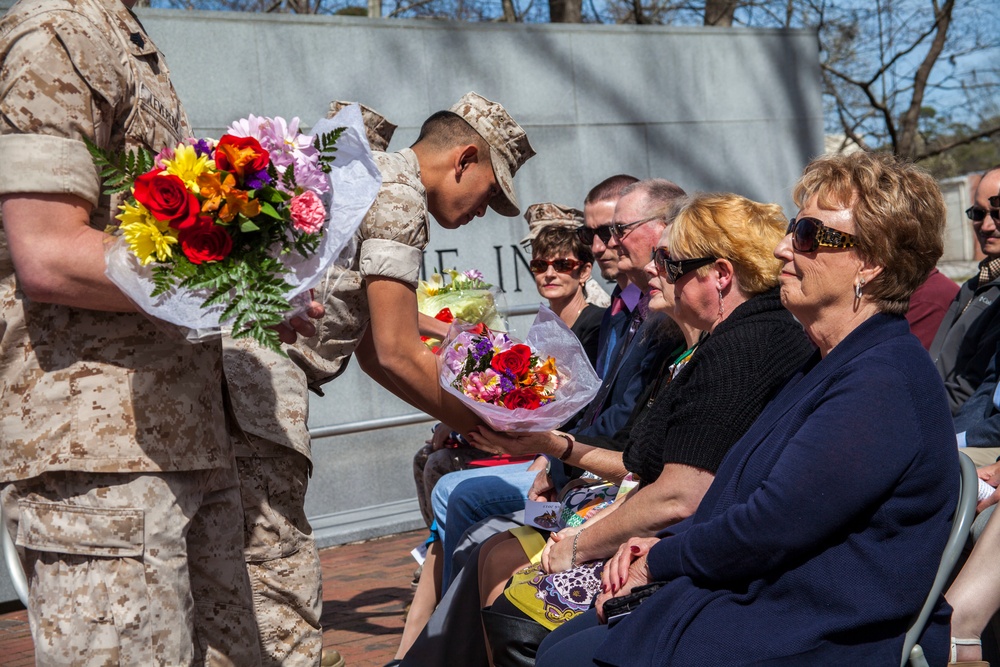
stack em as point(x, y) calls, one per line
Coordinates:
point(587, 234)
point(978, 214)
point(562, 265)
point(674, 269)
point(808, 234)
point(618, 228)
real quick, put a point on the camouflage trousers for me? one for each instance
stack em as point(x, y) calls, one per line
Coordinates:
point(281, 555)
point(430, 465)
point(133, 568)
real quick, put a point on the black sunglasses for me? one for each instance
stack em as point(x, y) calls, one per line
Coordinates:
point(587, 234)
point(659, 258)
point(563, 265)
point(674, 269)
point(978, 214)
point(808, 234)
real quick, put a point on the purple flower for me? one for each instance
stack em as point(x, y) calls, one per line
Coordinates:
point(506, 384)
point(456, 354)
point(308, 174)
point(483, 347)
point(257, 179)
point(202, 147)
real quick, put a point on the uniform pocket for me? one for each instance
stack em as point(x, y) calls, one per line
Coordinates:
point(82, 531)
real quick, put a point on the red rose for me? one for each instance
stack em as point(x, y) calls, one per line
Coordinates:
point(205, 241)
point(240, 155)
point(167, 198)
point(444, 315)
point(514, 361)
point(522, 397)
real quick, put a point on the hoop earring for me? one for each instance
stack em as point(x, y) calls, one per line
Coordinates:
point(857, 289)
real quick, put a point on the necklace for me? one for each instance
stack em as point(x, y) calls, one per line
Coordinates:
point(571, 322)
point(671, 371)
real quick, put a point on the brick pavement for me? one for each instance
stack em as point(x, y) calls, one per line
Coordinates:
point(366, 587)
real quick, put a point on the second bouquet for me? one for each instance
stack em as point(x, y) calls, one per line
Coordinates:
point(537, 385)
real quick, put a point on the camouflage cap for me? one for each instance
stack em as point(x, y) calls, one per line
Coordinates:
point(378, 130)
point(544, 215)
point(509, 147)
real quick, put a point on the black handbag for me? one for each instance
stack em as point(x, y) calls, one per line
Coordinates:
point(615, 609)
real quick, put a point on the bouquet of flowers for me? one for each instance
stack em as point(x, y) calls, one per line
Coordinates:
point(516, 386)
point(236, 231)
point(466, 297)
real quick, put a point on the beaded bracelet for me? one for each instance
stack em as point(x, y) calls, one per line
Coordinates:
point(576, 539)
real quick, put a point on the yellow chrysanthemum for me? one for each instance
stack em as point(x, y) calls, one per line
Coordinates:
point(148, 238)
point(187, 165)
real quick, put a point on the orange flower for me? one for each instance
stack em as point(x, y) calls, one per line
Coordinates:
point(237, 202)
point(212, 190)
point(240, 154)
point(215, 192)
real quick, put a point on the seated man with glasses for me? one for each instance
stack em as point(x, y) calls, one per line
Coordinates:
point(968, 335)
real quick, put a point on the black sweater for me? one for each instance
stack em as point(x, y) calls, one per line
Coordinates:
point(695, 418)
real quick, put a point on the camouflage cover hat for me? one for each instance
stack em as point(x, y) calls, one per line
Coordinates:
point(509, 147)
point(540, 216)
point(378, 130)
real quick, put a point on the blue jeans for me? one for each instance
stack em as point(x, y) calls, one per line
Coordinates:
point(463, 498)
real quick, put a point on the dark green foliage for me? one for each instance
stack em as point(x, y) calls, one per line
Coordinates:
point(118, 172)
point(326, 144)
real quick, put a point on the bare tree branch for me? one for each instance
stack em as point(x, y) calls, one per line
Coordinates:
point(963, 141)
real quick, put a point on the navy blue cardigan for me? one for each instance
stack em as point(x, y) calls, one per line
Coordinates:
point(821, 534)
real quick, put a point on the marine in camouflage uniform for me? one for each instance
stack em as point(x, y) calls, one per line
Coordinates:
point(118, 476)
point(270, 401)
point(390, 242)
point(273, 444)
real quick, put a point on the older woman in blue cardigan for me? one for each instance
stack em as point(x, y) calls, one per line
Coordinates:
point(819, 538)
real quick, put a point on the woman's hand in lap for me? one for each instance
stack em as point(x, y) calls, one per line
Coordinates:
point(618, 568)
point(638, 575)
point(558, 553)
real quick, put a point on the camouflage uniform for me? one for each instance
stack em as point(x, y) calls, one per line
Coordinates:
point(272, 445)
point(119, 477)
point(389, 243)
point(270, 402)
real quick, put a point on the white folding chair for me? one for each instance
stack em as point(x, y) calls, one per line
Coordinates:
point(14, 569)
point(965, 514)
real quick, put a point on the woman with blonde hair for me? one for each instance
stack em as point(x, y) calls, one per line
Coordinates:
point(749, 347)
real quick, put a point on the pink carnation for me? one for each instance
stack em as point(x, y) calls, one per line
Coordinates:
point(307, 212)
